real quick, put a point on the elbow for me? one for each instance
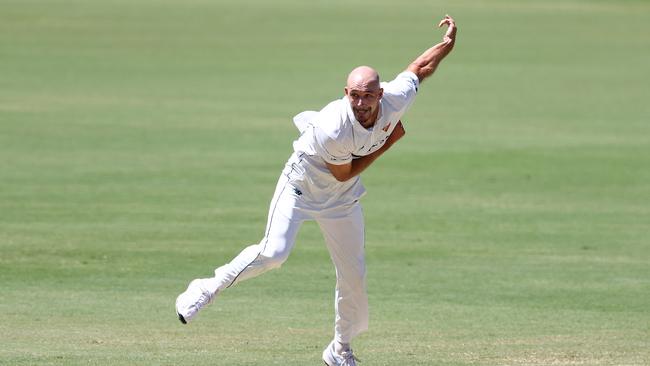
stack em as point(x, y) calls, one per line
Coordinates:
point(343, 176)
point(341, 173)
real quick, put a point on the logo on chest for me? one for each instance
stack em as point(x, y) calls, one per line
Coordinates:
point(363, 150)
point(370, 146)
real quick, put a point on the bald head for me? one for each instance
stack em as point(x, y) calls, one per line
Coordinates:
point(363, 78)
point(364, 93)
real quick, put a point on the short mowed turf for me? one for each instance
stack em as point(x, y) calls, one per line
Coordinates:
point(140, 143)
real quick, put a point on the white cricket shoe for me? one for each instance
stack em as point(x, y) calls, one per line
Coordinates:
point(332, 358)
point(192, 300)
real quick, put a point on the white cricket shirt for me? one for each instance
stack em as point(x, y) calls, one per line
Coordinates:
point(334, 135)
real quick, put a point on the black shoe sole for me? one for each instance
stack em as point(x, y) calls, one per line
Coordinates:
point(180, 317)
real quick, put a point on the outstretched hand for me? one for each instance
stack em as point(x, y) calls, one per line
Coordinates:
point(344, 172)
point(426, 63)
point(450, 35)
point(398, 133)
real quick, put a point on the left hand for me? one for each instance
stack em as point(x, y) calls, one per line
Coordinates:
point(450, 35)
point(398, 133)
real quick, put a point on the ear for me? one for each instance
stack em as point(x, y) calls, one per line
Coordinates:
point(381, 92)
point(345, 90)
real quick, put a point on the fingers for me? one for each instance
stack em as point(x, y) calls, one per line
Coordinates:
point(447, 20)
point(398, 132)
point(451, 30)
point(399, 128)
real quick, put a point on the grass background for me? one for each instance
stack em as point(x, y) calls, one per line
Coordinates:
point(140, 142)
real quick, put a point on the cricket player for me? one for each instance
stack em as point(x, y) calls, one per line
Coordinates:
point(321, 182)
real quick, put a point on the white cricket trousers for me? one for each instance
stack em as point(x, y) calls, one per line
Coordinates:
point(343, 229)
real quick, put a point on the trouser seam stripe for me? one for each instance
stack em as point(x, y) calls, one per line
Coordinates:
point(266, 236)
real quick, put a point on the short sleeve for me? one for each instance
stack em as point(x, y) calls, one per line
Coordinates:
point(331, 150)
point(408, 80)
point(401, 91)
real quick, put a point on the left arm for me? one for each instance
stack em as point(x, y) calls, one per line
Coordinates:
point(426, 64)
point(350, 170)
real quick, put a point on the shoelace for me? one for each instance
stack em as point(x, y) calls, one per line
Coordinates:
point(349, 359)
point(204, 299)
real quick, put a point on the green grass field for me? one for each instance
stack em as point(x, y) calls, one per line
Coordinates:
point(140, 143)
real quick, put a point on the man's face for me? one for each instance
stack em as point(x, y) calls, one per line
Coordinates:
point(365, 102)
